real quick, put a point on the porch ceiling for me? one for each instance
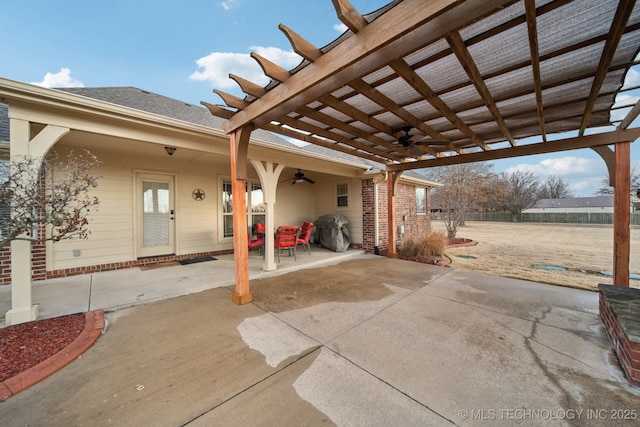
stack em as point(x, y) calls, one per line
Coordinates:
point(419, 84)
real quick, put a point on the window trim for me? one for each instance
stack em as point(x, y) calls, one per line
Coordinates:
point(424, 190)
point(221, 186)
point(346, 195)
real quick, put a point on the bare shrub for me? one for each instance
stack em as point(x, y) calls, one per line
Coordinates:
point(432, 244)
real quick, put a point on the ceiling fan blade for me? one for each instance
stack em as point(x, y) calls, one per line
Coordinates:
point(308, 180)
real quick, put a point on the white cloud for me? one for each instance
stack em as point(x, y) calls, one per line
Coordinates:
point(341, 28)
point(586, 186)
point(623, 99)
point(562, 166)
point(217, 66)
point(583, 175)
point(229, 4)
point(60, 79)
point(632, 78)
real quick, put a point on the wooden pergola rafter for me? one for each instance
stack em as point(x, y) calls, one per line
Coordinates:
point(421, 84)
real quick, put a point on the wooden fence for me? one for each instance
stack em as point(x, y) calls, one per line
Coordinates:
point(551, 217)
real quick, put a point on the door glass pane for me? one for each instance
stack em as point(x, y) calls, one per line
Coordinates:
point(155, 213)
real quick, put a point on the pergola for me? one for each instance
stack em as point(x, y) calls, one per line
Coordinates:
point(420, 84)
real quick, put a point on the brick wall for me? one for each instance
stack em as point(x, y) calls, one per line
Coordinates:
point(5, 265)
point(415, 224)
point(620, 312)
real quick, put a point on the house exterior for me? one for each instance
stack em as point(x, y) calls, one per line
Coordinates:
point(165, 186)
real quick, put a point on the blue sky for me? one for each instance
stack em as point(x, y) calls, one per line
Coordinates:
point(185, 49)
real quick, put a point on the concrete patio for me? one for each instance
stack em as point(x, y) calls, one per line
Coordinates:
point(366, 341)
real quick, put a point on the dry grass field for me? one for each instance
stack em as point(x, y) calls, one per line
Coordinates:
point(515, 249)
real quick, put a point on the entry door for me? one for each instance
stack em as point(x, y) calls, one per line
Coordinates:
point(156, 215)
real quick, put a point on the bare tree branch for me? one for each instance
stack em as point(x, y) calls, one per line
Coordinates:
point(47, 202)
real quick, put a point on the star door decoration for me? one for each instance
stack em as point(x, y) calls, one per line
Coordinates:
point(198, 194)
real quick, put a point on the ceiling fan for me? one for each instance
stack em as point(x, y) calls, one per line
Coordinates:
point(405, 138)
point(299, 178)
point(409, 141)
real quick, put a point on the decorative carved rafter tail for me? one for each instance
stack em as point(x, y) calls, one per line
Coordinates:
point(231, 100)
point(248, 87)
point(270, 69)
point(349, 16)
point(218, 111)
point(300, 45)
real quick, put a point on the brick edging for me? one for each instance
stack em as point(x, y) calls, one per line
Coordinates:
point(93, 327)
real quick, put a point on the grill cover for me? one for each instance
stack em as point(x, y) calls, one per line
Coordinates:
point(332, 232)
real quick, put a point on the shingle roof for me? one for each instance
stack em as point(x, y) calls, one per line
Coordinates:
point(576, 202)
point(150, 102)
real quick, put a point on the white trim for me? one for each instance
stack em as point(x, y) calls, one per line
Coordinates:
point(173, 202)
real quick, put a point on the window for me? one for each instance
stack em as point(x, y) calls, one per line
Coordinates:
point(342, 192)
point(255, 206)
point(421, 200)
point(255, 199)
point(227, 209)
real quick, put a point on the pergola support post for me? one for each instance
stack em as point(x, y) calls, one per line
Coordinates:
point(392, 179)
point(239, 143)
point(621, 214)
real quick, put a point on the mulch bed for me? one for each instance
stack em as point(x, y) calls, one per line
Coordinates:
point(26, 345)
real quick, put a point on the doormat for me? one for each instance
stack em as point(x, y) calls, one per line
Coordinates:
point(196, 260)
point(158, 265)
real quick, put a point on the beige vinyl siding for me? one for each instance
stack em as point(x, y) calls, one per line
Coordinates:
point(295, 203)
point(112, 228)
point(196, 221)
point(326, 203)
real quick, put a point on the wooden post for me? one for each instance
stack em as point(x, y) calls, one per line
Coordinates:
point(239, 142)
point(621, 214)
point(391, 212)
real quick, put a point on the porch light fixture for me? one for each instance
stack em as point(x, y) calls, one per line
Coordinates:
point(170, 150)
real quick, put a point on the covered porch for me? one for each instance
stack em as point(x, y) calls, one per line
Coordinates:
point(117, 289)
point(417, 85)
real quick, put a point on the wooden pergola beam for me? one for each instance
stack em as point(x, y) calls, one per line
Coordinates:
point(397, 32)
point(409, 75)
point(618, 26)
point(586, 141)
point(530, 10)
point(282, 130)
point(461, 51)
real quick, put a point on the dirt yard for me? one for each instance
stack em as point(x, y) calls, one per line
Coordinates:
point(576, 254)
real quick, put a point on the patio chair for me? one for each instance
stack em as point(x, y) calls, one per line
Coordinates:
point(305, 233)
point(255, 243)
point(258, 242)
point(286, 238)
